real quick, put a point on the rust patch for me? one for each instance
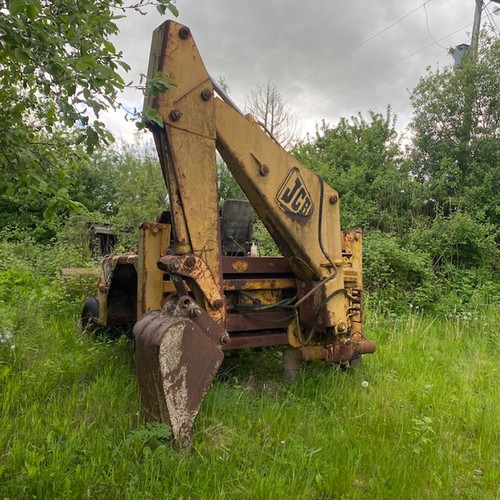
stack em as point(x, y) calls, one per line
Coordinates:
point(240, 266)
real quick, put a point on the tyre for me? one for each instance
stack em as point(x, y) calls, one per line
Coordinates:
point(90, 315)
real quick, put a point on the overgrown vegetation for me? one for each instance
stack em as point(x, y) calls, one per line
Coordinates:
point(429, 210)
point(420, 419)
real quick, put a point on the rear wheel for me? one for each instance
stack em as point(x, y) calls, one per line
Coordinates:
point(90, 315)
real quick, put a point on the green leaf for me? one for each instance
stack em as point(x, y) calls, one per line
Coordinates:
point(50, 211)
point(61, 61)
point(150, 115)
point(33, 9)
point(109, 47)
point(124, 65)
point(92, 139)
point(86, 62)
point(22, 55)
point(16, 6)
point(160, 83)
point(163, 5)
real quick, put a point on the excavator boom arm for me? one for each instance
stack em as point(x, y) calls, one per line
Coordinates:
point(300, 211)
point(292, 201)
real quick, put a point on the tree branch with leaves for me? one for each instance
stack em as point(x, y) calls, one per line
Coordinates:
point(58, 72)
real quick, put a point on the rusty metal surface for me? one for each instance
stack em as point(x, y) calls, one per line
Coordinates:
point(176, 358)
point(256, 265)
point(154, 242)
point(117, 295)
point(340, 352)
point(223, 303)
point(187, 151)
point(78, 272)
point(265, 320)
point(259, 284)
point(252, 340)
point(291, 363)
point(245, 148)
point(280, 189)
point(192, 266)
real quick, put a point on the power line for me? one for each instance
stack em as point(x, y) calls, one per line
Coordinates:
point(354, 48)
point(429, 31)
point(379, 71)
point(493, 24)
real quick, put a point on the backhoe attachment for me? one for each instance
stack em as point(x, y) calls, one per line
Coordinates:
point(200, 289)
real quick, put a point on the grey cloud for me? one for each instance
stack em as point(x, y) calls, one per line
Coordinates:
point(286, 41)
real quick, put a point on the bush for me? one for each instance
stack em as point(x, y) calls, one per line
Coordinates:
point(265, 242)
point(459, 240)
point(20, 216)
point(29, 273)
point(396, 275)
point(15, 283)
point(448, 265)
point(463, 290)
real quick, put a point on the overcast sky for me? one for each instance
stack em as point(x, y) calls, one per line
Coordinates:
point(312, 50)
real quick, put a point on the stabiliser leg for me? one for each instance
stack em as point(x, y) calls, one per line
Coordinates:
point(178, 352)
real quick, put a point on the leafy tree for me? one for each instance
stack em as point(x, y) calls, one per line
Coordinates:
point(459, 240)
point(396, 274)
point(121, 185)
point(95, 184)
point(58, 72)
point(140, 192)
point(456, 132)
point(228, 188)
point(22, 216)
point(360, 158)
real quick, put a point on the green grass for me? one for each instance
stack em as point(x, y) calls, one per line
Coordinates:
point(426, 426)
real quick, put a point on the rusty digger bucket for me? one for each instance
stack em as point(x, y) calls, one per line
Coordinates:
point(178, 352)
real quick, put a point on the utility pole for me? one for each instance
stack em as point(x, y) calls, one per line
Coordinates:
point(470, 92)
point(471, 50)
point(476, 28)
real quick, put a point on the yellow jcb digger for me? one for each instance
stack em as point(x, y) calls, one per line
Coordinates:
point(193, 290)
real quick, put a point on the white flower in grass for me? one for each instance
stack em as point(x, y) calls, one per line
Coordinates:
point(6, 337)
point(365, 383)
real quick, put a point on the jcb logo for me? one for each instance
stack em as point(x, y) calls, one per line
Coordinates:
point(293, 196)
